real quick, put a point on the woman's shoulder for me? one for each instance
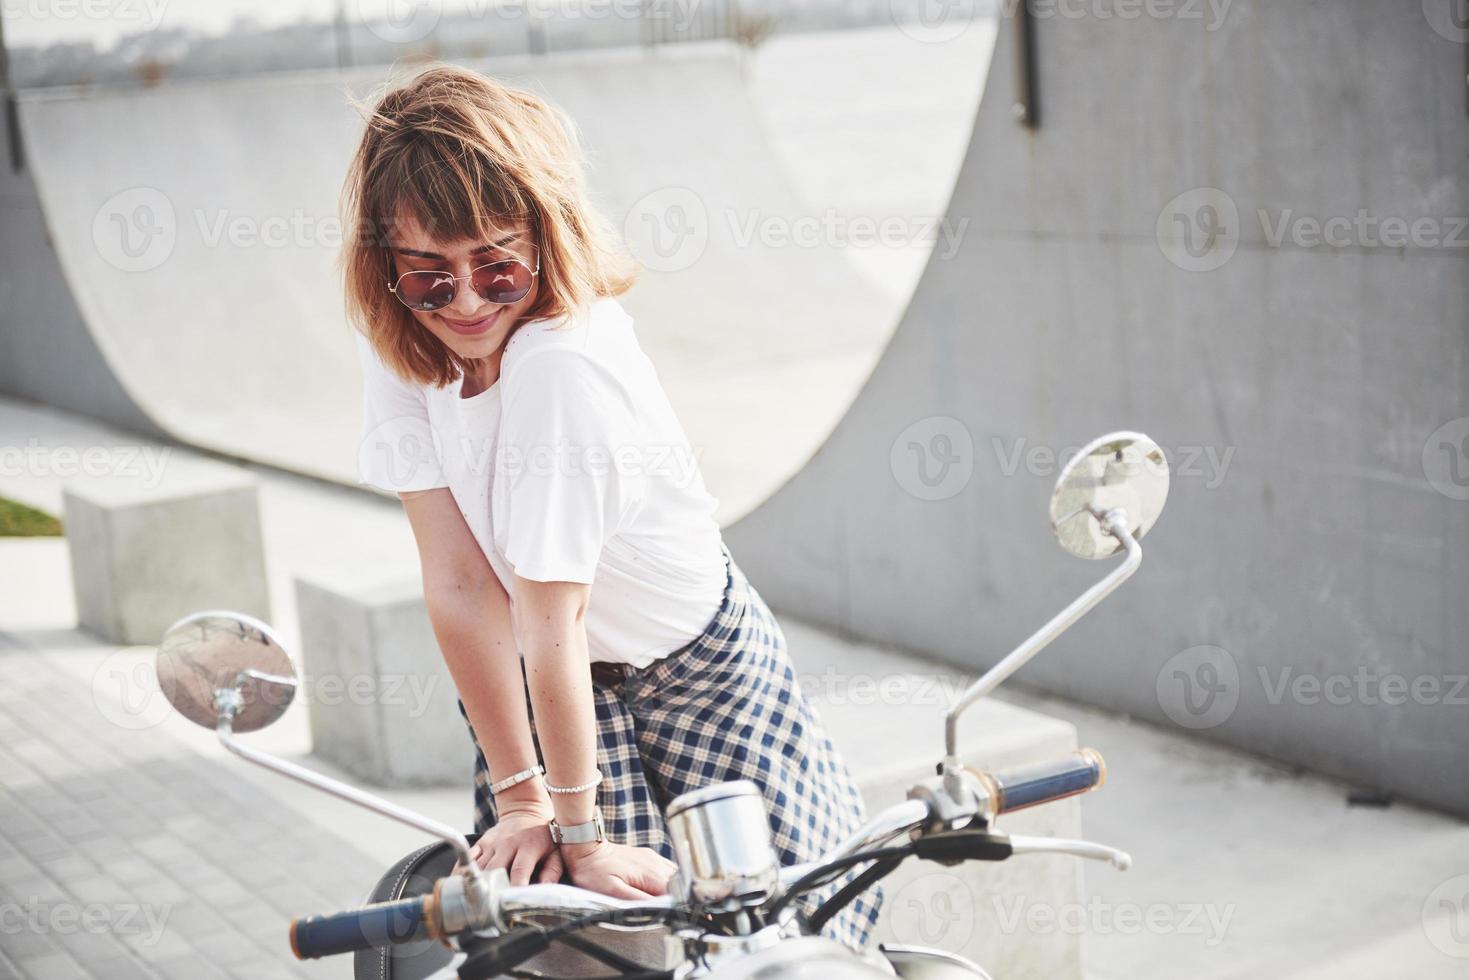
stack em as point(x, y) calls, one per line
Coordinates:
point(593, 338)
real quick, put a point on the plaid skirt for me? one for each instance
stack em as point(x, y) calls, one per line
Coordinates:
point(726, 706)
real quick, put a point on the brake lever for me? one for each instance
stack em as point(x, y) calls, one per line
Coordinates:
point(1120, 860)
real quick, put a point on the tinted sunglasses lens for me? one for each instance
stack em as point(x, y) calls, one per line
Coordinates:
point(503, 282)
point(426, 291)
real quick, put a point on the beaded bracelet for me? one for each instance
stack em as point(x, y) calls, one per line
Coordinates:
point(518, 778)
point(575, 789)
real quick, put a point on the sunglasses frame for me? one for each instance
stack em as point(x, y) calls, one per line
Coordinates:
point(456, 280)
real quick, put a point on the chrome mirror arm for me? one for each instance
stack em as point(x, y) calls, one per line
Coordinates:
point(1114, 522)
point(229, 701)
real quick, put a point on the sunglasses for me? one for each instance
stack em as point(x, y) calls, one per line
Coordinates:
point(502, 282)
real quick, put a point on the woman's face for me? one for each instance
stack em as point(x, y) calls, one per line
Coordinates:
point(470, 326)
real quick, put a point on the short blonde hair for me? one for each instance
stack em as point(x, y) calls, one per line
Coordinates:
point(464, 155)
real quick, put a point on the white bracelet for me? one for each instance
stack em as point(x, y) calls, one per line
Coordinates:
point(518, 778)
point(575, 789)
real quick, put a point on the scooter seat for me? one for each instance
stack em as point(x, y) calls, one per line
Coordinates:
point(414, 874)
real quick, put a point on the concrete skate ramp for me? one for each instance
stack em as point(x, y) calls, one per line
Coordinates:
point(196, 226)
point(41, 325)
point(1318, 526)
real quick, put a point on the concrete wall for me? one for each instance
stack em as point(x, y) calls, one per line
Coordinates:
point(47, 354)
point(1304, 595)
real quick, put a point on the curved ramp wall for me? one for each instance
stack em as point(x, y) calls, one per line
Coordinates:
point(196, 226)
point(1318, 526)
point(40, 324)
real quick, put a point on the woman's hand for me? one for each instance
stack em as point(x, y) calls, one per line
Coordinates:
point(520, 842)
point(617, 869)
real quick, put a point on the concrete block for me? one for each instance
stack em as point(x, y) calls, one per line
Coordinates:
point(145, 553)
point(884, 712)
point(381, 701)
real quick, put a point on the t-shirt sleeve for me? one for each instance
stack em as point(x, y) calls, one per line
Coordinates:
point(397, 452)
point(570, 459)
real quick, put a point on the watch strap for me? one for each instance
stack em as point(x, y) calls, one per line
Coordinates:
point(580, 833)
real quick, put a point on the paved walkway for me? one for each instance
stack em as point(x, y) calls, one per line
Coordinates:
point(124, 854)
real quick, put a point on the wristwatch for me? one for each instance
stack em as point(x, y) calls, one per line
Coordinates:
point(579, 833)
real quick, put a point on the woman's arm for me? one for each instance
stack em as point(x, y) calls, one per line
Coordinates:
point(470, 613)
point(551, 630)
point(551, 627)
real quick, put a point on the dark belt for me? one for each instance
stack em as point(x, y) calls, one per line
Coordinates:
point(608, 674)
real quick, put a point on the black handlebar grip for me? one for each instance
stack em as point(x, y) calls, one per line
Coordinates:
point(1026, 786)
point(370, 927)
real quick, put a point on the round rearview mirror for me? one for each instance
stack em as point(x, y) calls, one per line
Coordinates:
point(209, 654)
point(1123, 471)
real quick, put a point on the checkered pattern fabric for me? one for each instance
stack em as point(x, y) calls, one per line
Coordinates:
point(727, 706)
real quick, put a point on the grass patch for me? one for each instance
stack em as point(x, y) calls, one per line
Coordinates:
point(19, 521)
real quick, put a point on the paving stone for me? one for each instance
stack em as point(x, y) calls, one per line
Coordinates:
point(189, 967)
point(91, 815)
point(23, 944)
point(122, 968)
point(64, 867)
point(91, 949)
point(56, 966)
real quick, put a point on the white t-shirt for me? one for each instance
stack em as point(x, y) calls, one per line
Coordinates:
point(572, 467)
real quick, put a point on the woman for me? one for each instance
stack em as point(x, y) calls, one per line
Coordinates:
point(608, 652)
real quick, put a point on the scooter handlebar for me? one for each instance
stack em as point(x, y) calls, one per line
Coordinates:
point(370, 927)
point(1026, 786)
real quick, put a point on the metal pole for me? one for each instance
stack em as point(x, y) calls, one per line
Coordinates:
point(12, 108)
point(344, 36)
point(1027, 95)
